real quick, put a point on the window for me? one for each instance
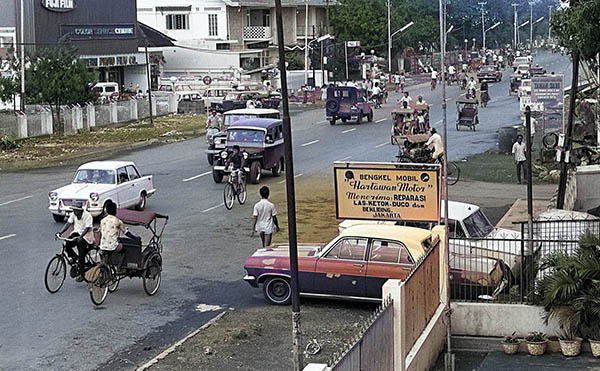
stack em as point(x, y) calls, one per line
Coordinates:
point(349, 249)
point(389, 252)
point(455, 229)
point(109, 89)
point(213, 29)
point(178, 22)
point(132, 172)
point(122, 175)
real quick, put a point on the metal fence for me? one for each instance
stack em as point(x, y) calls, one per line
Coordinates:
point(373, 349)
point(506, 269)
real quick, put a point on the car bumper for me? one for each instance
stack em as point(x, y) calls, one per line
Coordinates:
point(66, 210)
point(251, 280)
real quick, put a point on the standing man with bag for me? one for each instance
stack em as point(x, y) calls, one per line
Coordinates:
point(265, 218)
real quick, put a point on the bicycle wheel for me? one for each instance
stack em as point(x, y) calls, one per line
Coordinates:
point(114, 282)
point(228, 196)
point(55, 274)
point(453, 173)
point(242, 194)
point(152, 274)
point(99, 289)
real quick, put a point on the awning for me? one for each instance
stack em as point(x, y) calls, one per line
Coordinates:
point(153, 37)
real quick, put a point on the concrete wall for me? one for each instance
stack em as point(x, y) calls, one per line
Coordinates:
point(498, 320)
point(587, 179)
point(186, 60)
point(430, 344)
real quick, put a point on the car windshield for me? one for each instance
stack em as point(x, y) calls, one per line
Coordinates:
point(230, 119)
point(231, 96)
point(487, 69)
point(246, 136)
point(95, 176)
point(478, 225)
point(522, 60)
point(183, 88)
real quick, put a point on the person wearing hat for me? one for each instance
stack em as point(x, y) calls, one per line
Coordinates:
point(82, 236)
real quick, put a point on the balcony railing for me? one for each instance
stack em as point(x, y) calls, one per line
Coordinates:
point(257, 33)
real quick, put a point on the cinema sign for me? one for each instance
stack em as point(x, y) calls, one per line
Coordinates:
point(59, 5)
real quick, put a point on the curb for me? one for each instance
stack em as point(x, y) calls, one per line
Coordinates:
point(173, 347)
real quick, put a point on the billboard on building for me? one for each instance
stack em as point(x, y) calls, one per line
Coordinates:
point(387, 191)
point(547, 93)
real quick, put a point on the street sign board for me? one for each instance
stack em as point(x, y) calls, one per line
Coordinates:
point(353, 44)
point(387, 191)
point(207, 80)
point(549, 90)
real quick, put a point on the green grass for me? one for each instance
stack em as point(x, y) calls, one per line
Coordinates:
point(491, 167)
point(60, 149)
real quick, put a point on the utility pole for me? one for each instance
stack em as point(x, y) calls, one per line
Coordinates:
point(515, 24)
point(549, 20)
point(149, 80)
point(22, 57)
point(389, 9)
point(531, 27)
point(483, 23)
point(562, 184)
point(306, 44)
point(529, 176)
point(298, 355)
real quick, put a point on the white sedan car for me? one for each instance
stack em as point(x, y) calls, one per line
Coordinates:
point(97, 182)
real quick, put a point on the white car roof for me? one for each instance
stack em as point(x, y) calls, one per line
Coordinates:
point(105, 165)
point(251, 111)
point(459, 210)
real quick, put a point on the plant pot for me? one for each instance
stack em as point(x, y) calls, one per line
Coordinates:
point(510, 348)
point(595, 345)
point(536, 348)
point(570, 348)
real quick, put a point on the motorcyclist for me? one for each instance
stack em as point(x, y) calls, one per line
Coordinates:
point(434, 77)
point(236, 160)
point(451, 74)
point(376, 94)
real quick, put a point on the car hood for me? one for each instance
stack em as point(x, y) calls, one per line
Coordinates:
point(282, 251)
point(82, 190)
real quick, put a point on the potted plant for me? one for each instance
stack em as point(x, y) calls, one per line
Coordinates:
point(511, 344)
point(569, 291)
point(536, 343)
point(570, 345)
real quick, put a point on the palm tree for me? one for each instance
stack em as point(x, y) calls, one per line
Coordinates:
point(570, 291)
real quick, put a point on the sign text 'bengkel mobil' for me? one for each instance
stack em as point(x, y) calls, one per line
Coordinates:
point(59, 5)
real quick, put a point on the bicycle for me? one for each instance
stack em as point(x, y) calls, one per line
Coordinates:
point(235, 188)
point(423, 156)
point(56, 270)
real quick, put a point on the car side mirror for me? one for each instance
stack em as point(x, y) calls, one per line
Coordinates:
point(269, 139)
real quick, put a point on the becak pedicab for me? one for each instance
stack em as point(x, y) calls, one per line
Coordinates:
point(404, 122)
point(467, 112)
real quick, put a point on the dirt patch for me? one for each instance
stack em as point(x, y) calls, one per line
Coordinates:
point(59, 149)
point(260, 338)
point(497, 167)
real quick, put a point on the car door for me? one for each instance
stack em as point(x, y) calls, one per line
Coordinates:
point(342, 270)
point(387, 259)
point(137, 183)
point(124, 191)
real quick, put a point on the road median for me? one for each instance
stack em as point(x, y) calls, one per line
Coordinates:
point(99, 143)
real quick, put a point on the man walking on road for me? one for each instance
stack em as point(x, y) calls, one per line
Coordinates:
point(518, 151)
point(265, 218)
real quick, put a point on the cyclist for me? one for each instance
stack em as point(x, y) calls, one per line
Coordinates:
point(436, 144)
point(236, 160)
point(434, 77)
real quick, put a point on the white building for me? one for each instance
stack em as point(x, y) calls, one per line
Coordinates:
point(194, 23)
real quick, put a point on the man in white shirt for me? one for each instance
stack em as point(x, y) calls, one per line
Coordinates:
point(435, 142)
point(518, 151)
point(82, 236)
point(265, 218)
point(111, 228)
point(406, 98)
point(451, 73)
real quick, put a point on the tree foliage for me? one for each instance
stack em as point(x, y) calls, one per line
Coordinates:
point(9, 87)
point(57, 77)
point(576, 28)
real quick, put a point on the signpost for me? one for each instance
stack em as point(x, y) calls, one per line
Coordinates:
point(387, 191)
point(547, 96)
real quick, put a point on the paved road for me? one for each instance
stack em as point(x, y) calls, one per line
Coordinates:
point(205, 245)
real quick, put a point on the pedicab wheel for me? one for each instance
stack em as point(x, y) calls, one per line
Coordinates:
point(99, 288)
point(152, 274)
point(55, 274)
point(228, 196)
point(242, 195)
point(114, 284)
point(453, 173)
point(277, 290)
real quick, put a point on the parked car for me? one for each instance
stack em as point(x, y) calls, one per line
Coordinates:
point(97, 182)
point(520, 61)
point(524, 88)
point(183, 92)
point(537, 70)
point(347, 103)
point(215, 95)
point(489, 73)
point(467, 221)
point(217, 143)
point(522, 69)
point(262, 139)
point(237, 100)
point(106, 90)
point(354, 265)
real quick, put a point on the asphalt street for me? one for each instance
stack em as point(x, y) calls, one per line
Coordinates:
point(205, 245)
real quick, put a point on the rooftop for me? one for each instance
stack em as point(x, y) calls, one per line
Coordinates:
point(256, 123)
point(105, 165)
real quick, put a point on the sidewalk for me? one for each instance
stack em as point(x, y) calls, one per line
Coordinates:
point(498, 361)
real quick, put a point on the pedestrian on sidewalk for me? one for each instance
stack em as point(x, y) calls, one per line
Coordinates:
point(265, 218)
point(518, 151)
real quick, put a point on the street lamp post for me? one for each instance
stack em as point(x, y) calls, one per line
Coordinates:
point(515, 23)
point(518, 28)
point(549, 20)
point(389, 29)
point(391, 36)
point(531, 27)
point(483, 24)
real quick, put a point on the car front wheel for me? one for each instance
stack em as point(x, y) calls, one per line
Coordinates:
point(58, 218)
point(217, 176)
point(255, 172)
point(278, 290)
